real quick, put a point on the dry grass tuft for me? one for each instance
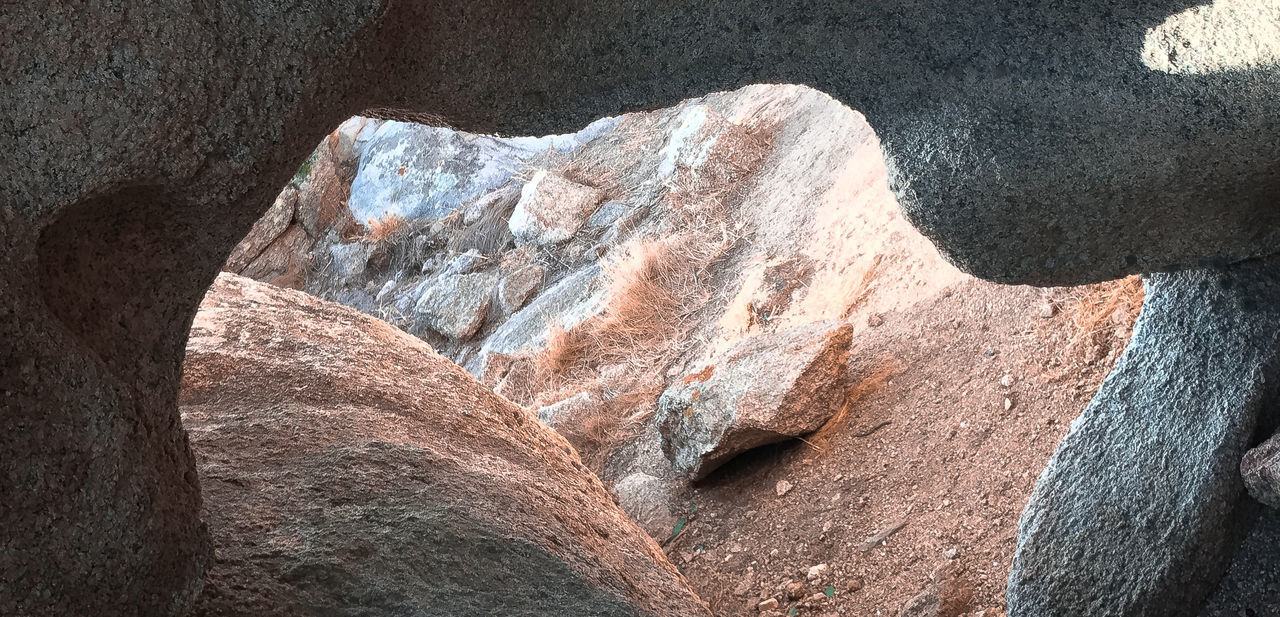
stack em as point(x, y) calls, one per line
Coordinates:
point(384, 229)
point(1101, 308)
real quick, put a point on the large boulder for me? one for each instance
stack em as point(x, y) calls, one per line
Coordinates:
point(1142, 506)
point(767, 388)
point(350, 470)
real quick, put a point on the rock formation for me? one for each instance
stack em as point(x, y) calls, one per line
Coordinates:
point(141, 141)
point(349, 469)
point(1142, 506)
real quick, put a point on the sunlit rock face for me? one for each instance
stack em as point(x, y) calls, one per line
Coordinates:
point(1227, 35)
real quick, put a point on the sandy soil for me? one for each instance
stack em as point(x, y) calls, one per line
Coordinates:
point(929, 440)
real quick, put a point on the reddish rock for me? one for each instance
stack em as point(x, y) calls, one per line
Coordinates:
point(348, 467)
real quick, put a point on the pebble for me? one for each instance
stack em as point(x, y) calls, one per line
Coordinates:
point(768, 605)
point(817, 572)
point(826, 527)
point(990, 353)
point(744, 588)
point(950, 553)
point(1047, 310)
point(1008, 404)
point(796, 590)
point(875, 320)
point(1006, 381)
point(783, 487)
point(854, 585)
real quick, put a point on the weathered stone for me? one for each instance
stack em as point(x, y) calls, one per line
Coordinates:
point(456, 306)
point(569, 411)
point(1261, 471)
point(767, 388)
point(1142, 505)
point(1031, 142)
point(1251, 586)
point(264, 232)
point(349, 469)
point(552, 208)
point(648, 501)
point(519, 286)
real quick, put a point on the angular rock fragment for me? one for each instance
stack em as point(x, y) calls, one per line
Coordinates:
point(349, 469)
point(1142, 506)
point(457, 305)
point(519, 286)
point(1261, 471)
point(765, 389)
point(551, 209)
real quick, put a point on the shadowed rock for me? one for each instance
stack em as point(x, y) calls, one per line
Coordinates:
point(1142, 506)
point(350, 470)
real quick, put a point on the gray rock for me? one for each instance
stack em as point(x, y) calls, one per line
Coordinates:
point(567, 303)
point(648, 500)
point(1142, 505)
point(1261, 472)
point(551, 209)
point(456, 306)
point(349, 260)
point(415, 171)
point(465, 263)
point(1251, 586)
point(607, 213)
point(766, 388)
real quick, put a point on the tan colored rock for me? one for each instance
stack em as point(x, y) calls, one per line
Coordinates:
point(264, 232)
point(347, 466)
point(552, 208)
point(519, 286)
point(767, 388)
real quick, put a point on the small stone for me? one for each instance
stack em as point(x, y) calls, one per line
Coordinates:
point(796, 590)
point(815, 599)
point(1008, 404)
point(817, 572)
point(875, 320)
point(990, 353)
point(768, 605)
point(783, 487)
point(826, 527)
point(854, 585)
point(1006, 381)
point(950, 553)
point(1047, 310)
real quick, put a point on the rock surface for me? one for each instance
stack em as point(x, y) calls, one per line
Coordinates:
point(1261, 471)
point(1142, 506)
point(457, 305)
point(552, 208)
point(1031, 142)
point(767, 388)
point(348, 469)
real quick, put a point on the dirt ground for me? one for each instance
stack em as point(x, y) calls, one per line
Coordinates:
point(956, 405)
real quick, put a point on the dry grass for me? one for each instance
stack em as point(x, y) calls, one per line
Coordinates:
point(381, 230)
point(1099, 309)
point(491, 232)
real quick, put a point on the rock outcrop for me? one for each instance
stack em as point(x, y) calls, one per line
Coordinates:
point(349, 469)
point(767, 388)
point(1142, 506)
point(551, 209)
point(139, 142)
